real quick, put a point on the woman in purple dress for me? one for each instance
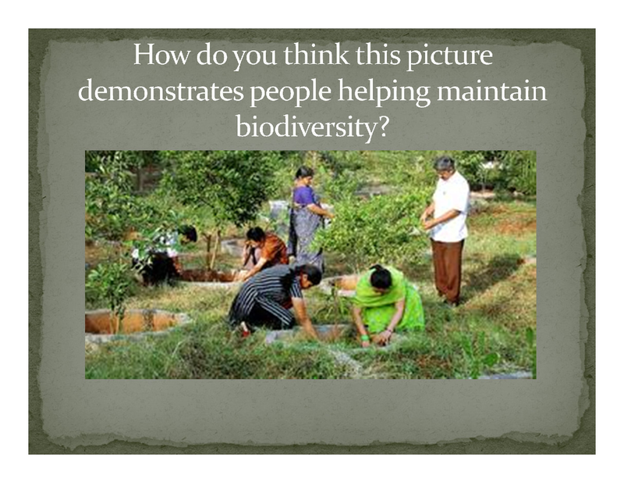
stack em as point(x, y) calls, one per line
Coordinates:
point(306, 216)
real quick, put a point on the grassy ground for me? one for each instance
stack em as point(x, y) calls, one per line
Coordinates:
point(493, 331)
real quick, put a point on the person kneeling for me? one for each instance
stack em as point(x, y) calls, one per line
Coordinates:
point(159, 262)
point(262, 250)
point(265, 299)
point(384, 302)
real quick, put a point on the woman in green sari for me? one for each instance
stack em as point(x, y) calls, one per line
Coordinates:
point(384, 302)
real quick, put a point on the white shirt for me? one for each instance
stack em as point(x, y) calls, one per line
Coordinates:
point(452, 194)
point(169, 240)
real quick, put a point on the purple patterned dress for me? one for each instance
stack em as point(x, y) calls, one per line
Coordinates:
point(303, 226)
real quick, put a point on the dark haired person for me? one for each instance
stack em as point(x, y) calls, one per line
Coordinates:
point(445, 219)
point(160, 262)
point(384, 303)
point(265, 299)
point(262, 250)
point(306, 217)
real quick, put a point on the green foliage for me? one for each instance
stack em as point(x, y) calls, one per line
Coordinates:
point(232, 185)
point(383, 229)
point(401, 169)
point(111, 283)
point(113, 207)
point(500, 170)
point(132, 159)
point(340, 187)
point(519, 169)
point(476, 353)
point(336, 173)
point(109, 202)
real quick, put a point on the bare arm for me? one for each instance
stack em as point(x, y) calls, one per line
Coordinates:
point(319, 211)
point(427, 213)
point(357, 320)
point(301, 314)
point(384, 337)
point(256, 268)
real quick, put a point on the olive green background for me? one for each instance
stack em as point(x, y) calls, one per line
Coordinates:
point(553, 414)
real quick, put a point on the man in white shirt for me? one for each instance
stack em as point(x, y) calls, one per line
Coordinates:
point(445, 219)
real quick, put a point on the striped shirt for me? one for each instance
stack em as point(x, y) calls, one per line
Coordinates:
point(275, 285)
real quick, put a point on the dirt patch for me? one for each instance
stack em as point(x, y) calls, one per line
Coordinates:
point(505, 220)
point(204, 275)
point(522, 224)
point(103, 322)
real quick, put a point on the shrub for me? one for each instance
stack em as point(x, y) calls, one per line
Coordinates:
point(111, 283)
point(383, 229)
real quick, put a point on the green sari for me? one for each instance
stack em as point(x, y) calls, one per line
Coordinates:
point(378, 309)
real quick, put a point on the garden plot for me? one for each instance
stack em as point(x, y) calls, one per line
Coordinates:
point(102, 326)
point(201, 277)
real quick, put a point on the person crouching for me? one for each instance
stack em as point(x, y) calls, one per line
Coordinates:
point(265, 299)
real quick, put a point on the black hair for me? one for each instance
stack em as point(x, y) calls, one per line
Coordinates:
point(304, 172)
point(189, 232)
point(381, 277)
point(313, 273)
point(444, 163)
point(256, 234)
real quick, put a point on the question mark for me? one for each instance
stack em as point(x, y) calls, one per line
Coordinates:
point(384, 124)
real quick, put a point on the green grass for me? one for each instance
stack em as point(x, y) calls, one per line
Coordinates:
point(492, 332)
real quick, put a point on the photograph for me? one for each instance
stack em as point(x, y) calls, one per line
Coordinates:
point(310, 265)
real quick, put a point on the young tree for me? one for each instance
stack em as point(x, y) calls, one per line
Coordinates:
point(112, 283)
point(232, 185)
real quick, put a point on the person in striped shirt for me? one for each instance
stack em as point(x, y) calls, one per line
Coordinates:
point(265, 299)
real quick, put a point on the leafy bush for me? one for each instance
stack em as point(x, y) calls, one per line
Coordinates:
point(499, 170)
point(111, 283)
point(520, 171)
point(383, 229)
point(109, 202)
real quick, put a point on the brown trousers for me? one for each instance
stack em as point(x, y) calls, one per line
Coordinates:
point(447, 260)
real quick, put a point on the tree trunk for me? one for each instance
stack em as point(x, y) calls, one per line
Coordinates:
point(208, 238)
point(215, 249)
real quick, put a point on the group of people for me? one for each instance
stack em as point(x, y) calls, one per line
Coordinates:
point(385, 301)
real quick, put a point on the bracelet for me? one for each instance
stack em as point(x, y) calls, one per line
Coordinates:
point(364, 337)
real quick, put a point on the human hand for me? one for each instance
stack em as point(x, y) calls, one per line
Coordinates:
point(309, 333)
point(428, 225)
point(383, 338)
